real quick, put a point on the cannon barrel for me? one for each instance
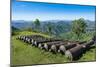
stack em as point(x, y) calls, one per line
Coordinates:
point(41, 45)
point(48, 45)
point(63, 48)
point(55, 47)
point(88, 45)
point(71, 49)
point(77, 51)
point(45, 41)
point(74, 53)
point(48, 40)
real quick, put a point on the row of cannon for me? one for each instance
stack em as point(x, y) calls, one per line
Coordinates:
point(71, 49)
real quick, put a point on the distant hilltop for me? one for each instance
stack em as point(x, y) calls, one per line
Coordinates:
point(66, 24)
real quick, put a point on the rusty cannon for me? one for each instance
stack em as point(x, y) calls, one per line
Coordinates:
point(71, 49)
point(77, 51)
point(47, 46)
point(37, 42)
point(69, 45)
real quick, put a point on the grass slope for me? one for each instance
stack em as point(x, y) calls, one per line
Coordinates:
point(24, 54)
point(89, 55)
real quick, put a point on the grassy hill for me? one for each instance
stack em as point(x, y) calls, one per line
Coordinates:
point(24, 54)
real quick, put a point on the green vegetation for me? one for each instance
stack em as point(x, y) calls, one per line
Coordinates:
point(70, 36)
point(24, 54)
point(37, 25)
point(14, 31)
point(79, 27)
point(50, 28)
point(89, 55)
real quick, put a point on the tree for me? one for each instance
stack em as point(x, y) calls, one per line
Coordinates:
point(37, 24)
point(15, 31)
point(79, 26)
point(49, 28)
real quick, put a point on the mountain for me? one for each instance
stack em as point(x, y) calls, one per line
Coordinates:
point(20, 24)
point(59, 26)
point(91, 25)
point(14, 29)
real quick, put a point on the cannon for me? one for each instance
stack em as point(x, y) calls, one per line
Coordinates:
point(63, 48)
point(77, 51)
point(30, 41)
point(34, 41)
point(86, 46)
point(18, 37)
point(55, 47)
point(41, 45)
point(71, 49)
point(44, 41)
point(74, 52)
point(48, 45)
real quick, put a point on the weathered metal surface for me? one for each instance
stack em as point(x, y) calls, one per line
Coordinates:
point(71, 49)
point(74, 53)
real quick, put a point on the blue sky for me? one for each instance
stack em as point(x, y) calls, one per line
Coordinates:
point(30, 11)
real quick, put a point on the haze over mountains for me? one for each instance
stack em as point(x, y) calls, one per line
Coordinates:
point(60, 25)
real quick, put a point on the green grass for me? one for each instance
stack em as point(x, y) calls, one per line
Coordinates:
point(84, 37)
point(89, 55)
point(33, 33)
point(24, 54)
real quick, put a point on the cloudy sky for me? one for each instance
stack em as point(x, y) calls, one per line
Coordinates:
point(45, 11)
